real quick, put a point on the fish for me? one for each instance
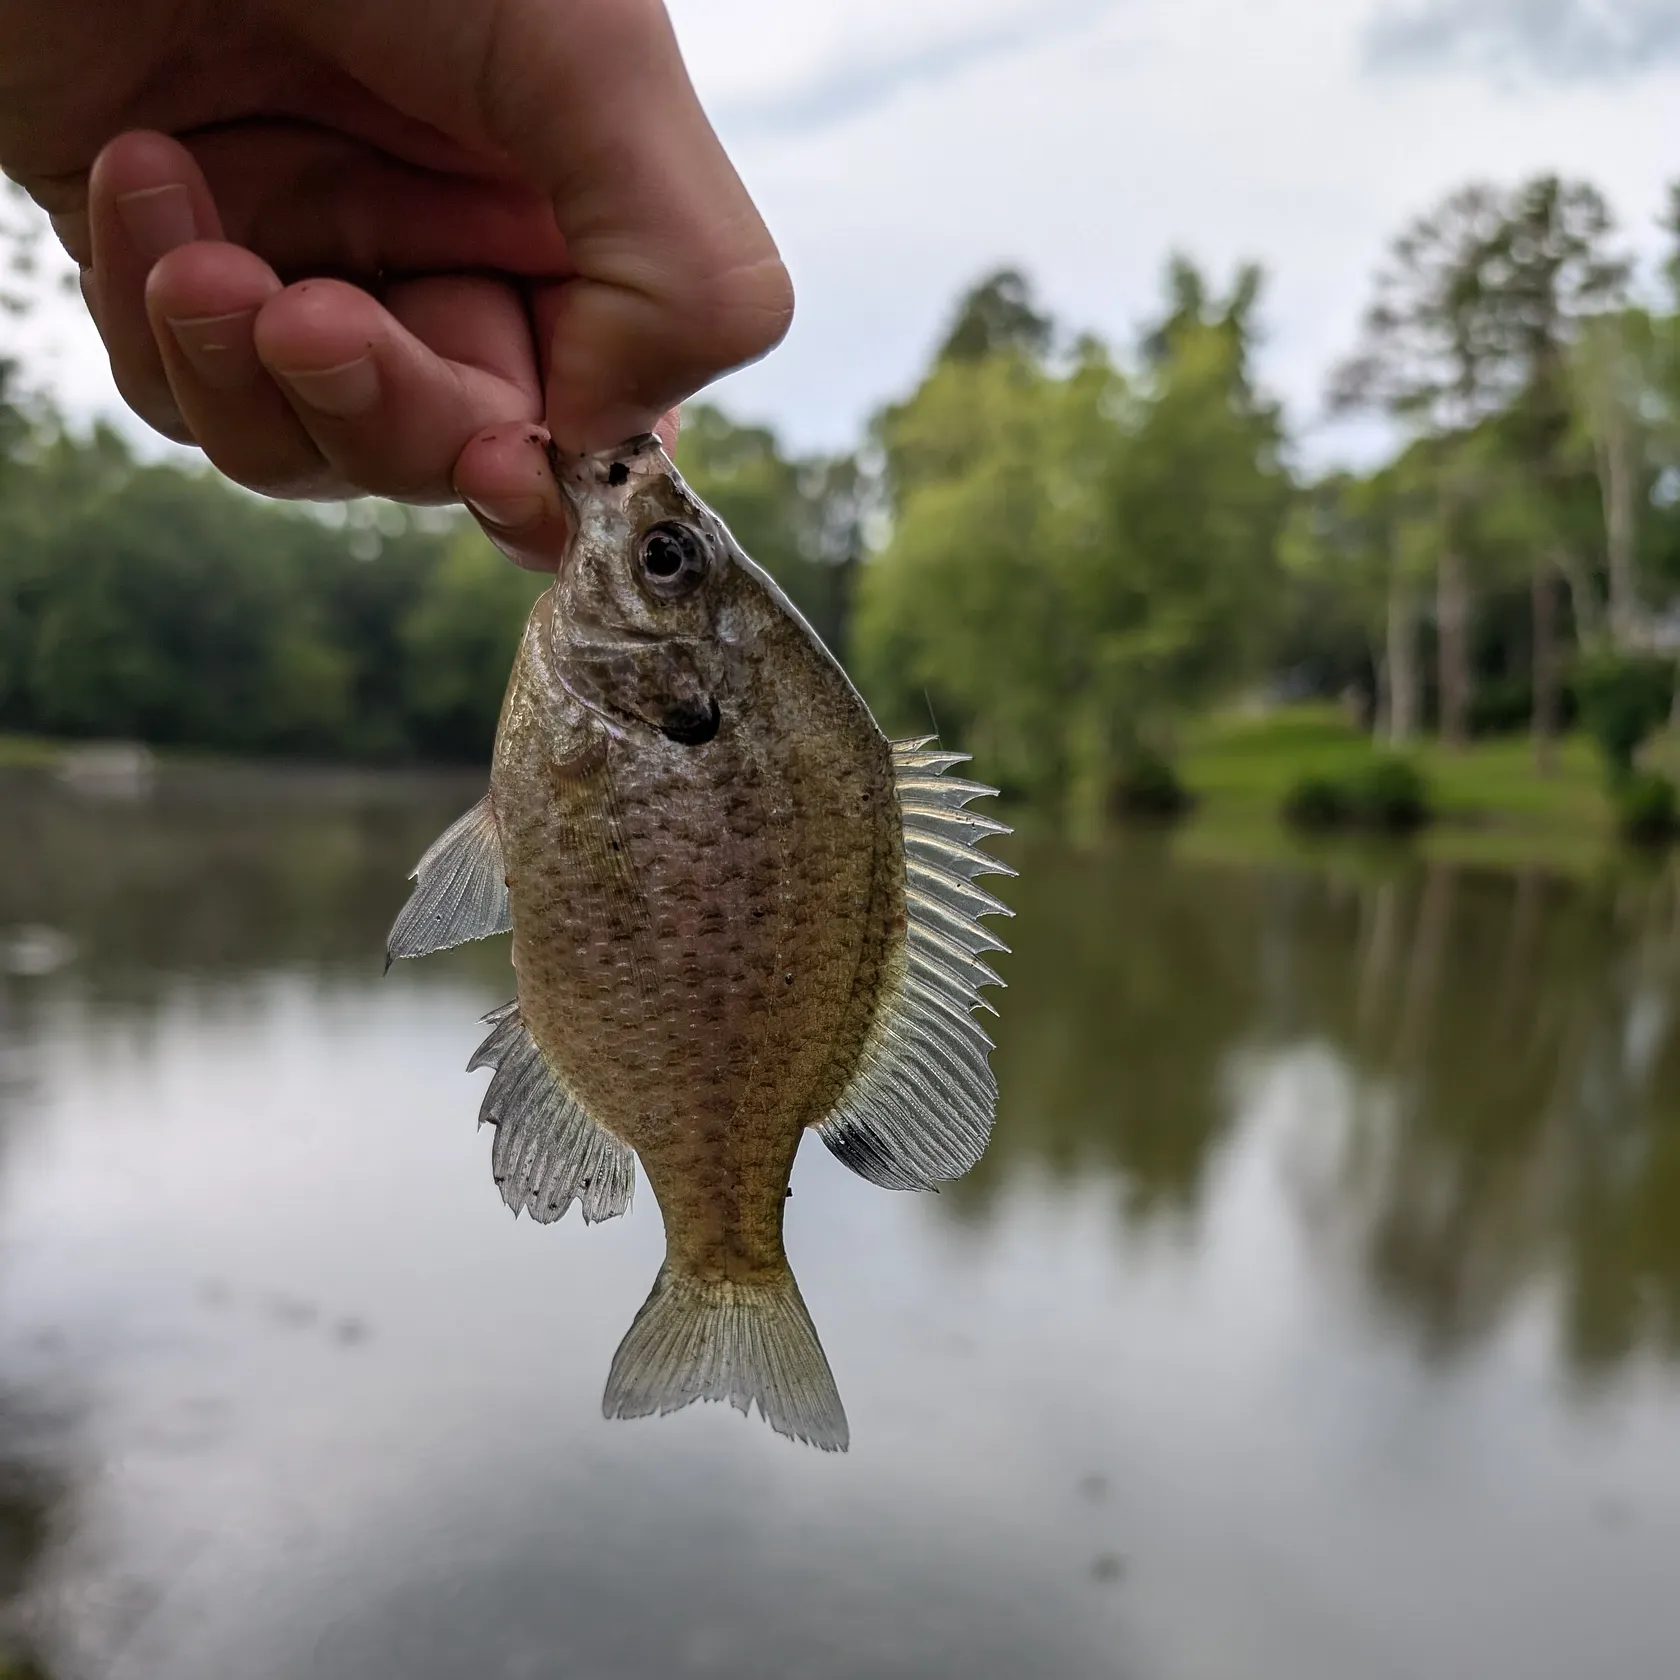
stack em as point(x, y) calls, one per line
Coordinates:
point(739, 913)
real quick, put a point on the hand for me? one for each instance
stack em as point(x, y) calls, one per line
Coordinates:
point(392, 244)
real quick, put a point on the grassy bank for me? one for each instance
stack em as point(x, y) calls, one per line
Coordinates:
point(1492, 802)
point(27, 752)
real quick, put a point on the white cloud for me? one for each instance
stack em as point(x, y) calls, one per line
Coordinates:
point(1227, 131)
point(782, 68)
point(1569, 40)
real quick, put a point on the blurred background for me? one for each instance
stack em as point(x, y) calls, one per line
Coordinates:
point(1254, 434)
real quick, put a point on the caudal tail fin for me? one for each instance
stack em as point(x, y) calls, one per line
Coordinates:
point(696, 1339)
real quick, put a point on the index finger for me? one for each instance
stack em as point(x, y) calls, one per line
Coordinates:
point(676, 276)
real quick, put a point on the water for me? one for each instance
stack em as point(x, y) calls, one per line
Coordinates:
point(1314, 1315)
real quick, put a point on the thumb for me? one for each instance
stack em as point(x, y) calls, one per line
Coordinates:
point(675, 278)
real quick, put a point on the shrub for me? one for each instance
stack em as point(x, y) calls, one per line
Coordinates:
point(1318, 802)
point(1622, 698)
point(1148, 786)
point(1647, 810)
point(1391, 794)
point(1501, 706)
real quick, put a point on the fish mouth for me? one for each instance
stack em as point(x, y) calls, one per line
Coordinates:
point(693, 724)
point(608, 469)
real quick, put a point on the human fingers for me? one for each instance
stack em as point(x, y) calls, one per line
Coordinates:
point(144, 201)
point(504, 477)
point(675, 277)
point(317, 390)
point(311, 201)
point(390, 393)
point(202, 303)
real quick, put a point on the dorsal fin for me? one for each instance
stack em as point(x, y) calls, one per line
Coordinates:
point(460, 889)
point(918, 1110)
point(548, 1152)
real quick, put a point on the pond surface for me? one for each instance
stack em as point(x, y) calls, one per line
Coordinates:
point(1314, 1316)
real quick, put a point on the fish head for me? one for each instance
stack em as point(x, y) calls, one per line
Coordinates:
point(645, 596)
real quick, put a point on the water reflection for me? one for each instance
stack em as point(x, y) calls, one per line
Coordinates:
point(1327, 1256)
point(1509, 1074)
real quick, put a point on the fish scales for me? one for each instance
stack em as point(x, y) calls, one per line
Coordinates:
point(699, 933)
point(698, 837)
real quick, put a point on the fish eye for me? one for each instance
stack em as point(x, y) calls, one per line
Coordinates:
point(673, 559)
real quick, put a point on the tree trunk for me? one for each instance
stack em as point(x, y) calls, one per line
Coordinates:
point(1452, 635)
point(1618, 478)
point(1401, 661)
point(1583, 603)
point(1544, 669)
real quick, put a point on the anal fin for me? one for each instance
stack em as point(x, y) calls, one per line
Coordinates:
point(460, 890)
point(548, 1152)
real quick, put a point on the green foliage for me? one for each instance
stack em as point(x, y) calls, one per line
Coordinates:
point(1146, 785)
point(1317, 802)
point(1390, 793)
point(1387, 794)
point(1647, 809)
point(1076, 553)
point(458, 643)
point(799, 519)
point(1059, 552)
point(997, 317)
point(167, 606)
point(1622, 700)
point(164, 605)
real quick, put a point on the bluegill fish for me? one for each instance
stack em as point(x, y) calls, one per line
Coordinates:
point(738, 911)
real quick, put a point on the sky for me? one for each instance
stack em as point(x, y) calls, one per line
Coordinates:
point(901, 148)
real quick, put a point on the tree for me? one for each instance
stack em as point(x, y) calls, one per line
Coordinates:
point(966, 611)
point(458, 641)
point(1367, 541)
point(1618, 402)
point(995, 316)
point(800, 520)
point(1076, 554)
point(1430, 357)
point(1548, 269)
point(1670, 224)
point(1198, 497)
point(1470, 328)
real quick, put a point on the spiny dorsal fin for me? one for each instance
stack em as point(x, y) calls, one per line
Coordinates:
point(460, 889)
point(918, 1111)
point(548, 1152)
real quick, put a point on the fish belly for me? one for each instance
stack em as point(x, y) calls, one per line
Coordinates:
point(697, 936)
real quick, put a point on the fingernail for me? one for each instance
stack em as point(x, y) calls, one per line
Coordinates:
point(509, 513)
point(220, 348)
point(348, 389)
point(157, 219)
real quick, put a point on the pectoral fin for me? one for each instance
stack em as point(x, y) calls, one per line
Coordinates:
point(548, 1152)
point(460, 889)
point(918, 1110)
